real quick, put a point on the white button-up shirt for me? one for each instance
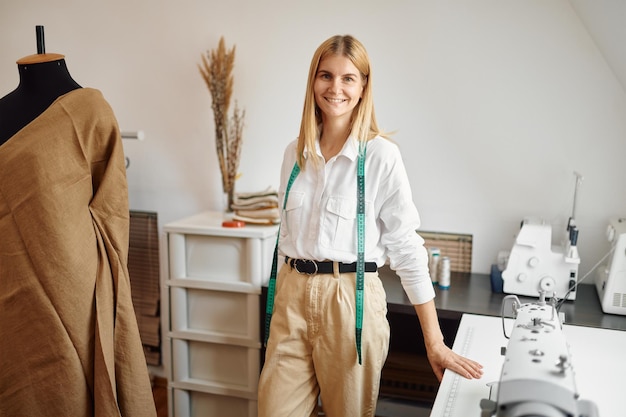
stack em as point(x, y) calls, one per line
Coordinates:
point(319, 220)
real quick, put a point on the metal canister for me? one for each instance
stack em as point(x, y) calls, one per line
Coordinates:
point(444, 273)
point(433, 263)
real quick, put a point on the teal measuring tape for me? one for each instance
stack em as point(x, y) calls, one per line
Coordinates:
point(271, 286)
point(360, 261)
point(360, 265)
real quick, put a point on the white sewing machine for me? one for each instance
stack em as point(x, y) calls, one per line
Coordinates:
point(537, 377)
point(611, 278)
point(536, 265)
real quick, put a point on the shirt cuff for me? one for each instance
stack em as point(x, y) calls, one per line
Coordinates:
point(420, 292)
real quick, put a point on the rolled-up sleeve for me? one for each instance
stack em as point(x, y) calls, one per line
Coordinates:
point(399, 223)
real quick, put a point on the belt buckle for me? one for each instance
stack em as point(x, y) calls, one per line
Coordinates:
point(295, 266)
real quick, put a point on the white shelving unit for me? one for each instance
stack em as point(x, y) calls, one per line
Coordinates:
point(210, 314)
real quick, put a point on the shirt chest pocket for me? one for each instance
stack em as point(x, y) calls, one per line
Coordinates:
point(293, 209)
point(340, 224)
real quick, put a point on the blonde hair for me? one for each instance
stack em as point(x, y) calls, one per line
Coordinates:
point(364, 126)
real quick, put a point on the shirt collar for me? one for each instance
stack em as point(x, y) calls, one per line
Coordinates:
point(350, 149)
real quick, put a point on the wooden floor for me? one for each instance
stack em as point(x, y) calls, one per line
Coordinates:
point(159, 389)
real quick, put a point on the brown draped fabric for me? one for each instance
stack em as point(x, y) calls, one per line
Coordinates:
point(69, 343)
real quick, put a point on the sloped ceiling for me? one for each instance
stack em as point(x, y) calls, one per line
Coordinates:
point(605, 21)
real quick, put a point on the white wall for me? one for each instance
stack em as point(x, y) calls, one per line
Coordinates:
point(495, 103)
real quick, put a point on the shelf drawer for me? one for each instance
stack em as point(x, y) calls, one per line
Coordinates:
point(220, 258)
point(216, 365)
point(189, 403)
point(215, 312)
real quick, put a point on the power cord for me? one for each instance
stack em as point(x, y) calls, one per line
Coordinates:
point(560, 303)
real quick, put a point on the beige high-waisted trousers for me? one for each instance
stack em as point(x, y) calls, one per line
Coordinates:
point(311, 351)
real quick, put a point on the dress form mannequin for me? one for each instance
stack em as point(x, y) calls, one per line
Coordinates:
point(43, 78)
point(70, 344)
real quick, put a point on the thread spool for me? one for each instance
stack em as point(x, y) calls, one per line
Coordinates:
point(433, 263)
point(444, 273)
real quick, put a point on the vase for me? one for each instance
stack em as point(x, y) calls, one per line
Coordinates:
point(229, 199)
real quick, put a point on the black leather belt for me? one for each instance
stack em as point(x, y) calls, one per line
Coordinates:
point(305, 266)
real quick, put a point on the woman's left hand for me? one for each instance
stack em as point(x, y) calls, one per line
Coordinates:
point(441, 357)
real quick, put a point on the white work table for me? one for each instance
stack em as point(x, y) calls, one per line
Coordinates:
point(597, 356)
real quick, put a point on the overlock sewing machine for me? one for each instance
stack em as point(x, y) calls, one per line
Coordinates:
point(535, 264)
point(610, 279)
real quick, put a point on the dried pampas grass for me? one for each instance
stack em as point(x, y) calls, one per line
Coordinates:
point(217, 72)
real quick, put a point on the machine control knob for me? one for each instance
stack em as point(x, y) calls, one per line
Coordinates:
point(563, 364)
point(521, 277)
point(547, 284)
point(533, 262)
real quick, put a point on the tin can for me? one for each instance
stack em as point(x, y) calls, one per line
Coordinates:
point(444, 273)
point(433, 263)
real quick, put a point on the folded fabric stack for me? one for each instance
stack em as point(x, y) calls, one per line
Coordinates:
point(257, 207)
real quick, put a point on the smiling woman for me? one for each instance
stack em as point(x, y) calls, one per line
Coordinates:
point(344, 190)
point(338, 88)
